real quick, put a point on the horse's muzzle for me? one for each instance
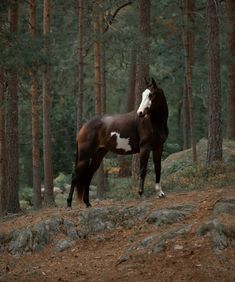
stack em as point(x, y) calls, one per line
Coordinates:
point(143, 114)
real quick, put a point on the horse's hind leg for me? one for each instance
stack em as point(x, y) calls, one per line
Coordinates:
point(80, 167)
point(90, 170)
point(144, 156)
point(73, 184)
point(157, 155)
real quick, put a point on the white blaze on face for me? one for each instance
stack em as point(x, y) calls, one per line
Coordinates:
point(158, 189)
point(122, 143)
point(145, 103)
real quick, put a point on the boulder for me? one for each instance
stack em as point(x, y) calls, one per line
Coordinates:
point(169, 215)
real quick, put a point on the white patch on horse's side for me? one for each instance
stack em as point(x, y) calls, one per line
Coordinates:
point(146, 102)
point(122, 143)
point(158, 189)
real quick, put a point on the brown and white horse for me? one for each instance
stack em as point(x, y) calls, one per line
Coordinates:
point(135, 132)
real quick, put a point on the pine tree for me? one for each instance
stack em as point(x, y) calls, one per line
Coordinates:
point(37, 199)
point(142, 70)
point(12, 168)
point(188, 42)
point(2, 142)
point(48, 170)
point(214, 150)
point(231, 68)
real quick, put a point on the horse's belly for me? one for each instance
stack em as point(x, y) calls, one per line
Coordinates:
point(121, 151)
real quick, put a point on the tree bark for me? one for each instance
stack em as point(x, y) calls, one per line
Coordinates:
point(214, 150)
point(142, 71)
point(230, 4)
point(48, 170)
point(124, 163)
point(12, 169)
point(2, 143)
point(188, 41)
point(98, 28)
point(2, 139)
point(37, 198)
point(186, 122)
point(80, 66)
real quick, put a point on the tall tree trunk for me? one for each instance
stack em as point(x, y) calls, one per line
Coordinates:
point(2, 143)
point(214, 150)
point(98, 26)
point(231, 68)
point(37, 198)
point(48, 171)
point(142, 71)
point(124, 163)
point(80, 65)
point(130, 100)
point(12, 172)
point(188, 41)
point(2, 138)
point(186, 122)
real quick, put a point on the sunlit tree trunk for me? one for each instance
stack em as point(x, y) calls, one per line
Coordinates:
point(188, 41)
point(231, 68)
point(80, 65)
point(214, 150)
point(142, 71)
point(2, 143)
point(12, 170)
point(37, 199)
point(47, 157)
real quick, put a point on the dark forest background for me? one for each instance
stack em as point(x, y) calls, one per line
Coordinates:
point(51, 61)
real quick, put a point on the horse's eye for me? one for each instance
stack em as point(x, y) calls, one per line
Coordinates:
point(150, 95)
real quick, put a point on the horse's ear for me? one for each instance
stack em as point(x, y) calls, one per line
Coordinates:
point(154, 83)
point(146, 81)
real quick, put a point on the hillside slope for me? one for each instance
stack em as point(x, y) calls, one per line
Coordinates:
point(183, 237)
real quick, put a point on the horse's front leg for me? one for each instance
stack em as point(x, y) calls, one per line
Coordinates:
point(144, 156)
point(157, 156)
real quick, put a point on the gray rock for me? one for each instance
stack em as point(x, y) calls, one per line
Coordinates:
point(160, 246)
point(68, 225)
point(224, 206)
point(221, 234)
point(73, 234)
point(169, 215)
point(53, 224)
point(62, 245)
point(21, 242)
point(41, 236)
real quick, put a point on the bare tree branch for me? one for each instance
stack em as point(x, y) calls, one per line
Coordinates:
point(110, 20)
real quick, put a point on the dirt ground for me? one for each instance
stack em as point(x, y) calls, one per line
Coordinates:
point(97, 258)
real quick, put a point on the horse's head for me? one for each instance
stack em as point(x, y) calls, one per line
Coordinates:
point(148, 97)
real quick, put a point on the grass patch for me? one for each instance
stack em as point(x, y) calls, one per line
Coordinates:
point(199, 176)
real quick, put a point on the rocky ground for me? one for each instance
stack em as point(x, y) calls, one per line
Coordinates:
point(183, 237)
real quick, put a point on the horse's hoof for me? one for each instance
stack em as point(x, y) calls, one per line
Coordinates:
point(68, 208)
point(88, 205)
point(142, 196)
point(161, 194)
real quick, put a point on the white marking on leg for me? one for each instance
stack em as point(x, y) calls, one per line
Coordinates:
point(159, 191)
point(122, 143)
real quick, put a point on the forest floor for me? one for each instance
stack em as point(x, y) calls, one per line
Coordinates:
point(100, 257)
